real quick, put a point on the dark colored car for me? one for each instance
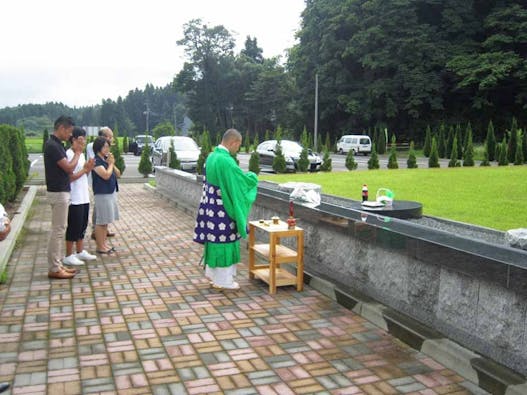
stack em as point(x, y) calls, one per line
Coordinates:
point(291, 151)
point(139, 143)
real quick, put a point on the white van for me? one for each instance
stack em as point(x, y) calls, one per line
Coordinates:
point(358, 143)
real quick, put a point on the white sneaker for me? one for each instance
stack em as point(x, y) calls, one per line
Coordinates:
point(85, 256)
point(72, 260)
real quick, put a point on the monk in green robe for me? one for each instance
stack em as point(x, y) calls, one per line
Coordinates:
point(228, 194)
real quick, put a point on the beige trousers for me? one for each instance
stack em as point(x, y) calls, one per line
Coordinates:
point(60, 202)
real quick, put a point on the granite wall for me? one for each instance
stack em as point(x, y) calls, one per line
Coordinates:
point(470, 291)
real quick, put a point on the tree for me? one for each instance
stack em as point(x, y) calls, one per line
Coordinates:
point(145, 165)
point(16, 146)
point(513, 141)
point(490, 142)
point(373, 162)
point(207, 74)
point(174, 162)
point(125, 144)
point(518, 157)
point(433, 161)
point(441, 141)
point(206, 148)
point(412, 160)
point(247, 142)
point(279, 165)
point(468, 153)
point(428, 142)
point(303, 161)
point(459, 135)
point(254, 162)
point(485, 161)
point(163, 129)
point(350, 160)
point(453, 155)
point(503, 158)
point(392, 159)
point(45, 138)
point(450, 141)
point(381, 146)
point(7, 175)
point(326, 161)
point(524, 145)
point(116, 151)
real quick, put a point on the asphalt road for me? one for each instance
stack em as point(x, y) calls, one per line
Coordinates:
point(338, 163)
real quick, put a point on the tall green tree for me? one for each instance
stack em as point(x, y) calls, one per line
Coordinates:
point(392, 159)
point(518, 157)
point(116, 151)
point(174, 162)
point(454, 162)
point(441, 140)
point(513, 140)
point(468, 152)
point(433, 160)
point(326, 161)
point(351, 164)
point(145, 165)
point(428, 142)
point(373, 162)
point(412, 160)
point(490, 141)
point(45, 138)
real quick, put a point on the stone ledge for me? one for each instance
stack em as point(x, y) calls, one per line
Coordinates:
point(17, 224)
point(487, 374)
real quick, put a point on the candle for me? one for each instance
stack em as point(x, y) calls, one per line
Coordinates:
point(291, 208)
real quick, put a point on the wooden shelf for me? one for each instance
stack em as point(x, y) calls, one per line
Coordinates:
point(283, 254)
point(276, 254)
point(283, 277)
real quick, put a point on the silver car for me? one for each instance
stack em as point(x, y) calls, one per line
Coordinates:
point(186, 149)
point(291, 151)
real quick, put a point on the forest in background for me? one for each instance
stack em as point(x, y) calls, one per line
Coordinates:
point(398, 64)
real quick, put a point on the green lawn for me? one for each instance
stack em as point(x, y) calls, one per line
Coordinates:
point(495, 197)
point(34, 145)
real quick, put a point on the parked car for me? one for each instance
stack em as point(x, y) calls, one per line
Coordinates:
point(139, 142)
point(291, 151)
point(359, 144)
point(186, 149)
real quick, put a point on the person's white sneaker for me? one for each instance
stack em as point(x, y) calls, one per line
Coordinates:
point(72, 260)
point(85, 256)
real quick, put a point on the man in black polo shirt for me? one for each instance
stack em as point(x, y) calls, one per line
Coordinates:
point(58, 170)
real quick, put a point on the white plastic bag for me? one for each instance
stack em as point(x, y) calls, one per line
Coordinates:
point(517, 238)
point(304, 193)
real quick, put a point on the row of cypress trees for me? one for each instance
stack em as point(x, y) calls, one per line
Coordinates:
point(14, 164)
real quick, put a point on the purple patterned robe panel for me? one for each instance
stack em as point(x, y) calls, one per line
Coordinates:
point(213, 225)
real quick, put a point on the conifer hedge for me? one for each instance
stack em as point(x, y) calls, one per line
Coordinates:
point(14, 164)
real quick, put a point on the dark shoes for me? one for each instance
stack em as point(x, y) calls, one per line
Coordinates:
point(4, 386)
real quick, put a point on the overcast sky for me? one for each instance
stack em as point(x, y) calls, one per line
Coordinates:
point(80, 52)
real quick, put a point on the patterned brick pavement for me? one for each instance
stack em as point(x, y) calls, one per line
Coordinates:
point(145, 321)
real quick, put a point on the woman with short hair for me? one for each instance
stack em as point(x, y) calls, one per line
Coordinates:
point(105, 188)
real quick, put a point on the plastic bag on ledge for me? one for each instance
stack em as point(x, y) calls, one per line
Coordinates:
point(304, 193)
point(517, 238)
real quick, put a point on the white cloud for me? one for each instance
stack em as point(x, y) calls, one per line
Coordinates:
point(81, 52)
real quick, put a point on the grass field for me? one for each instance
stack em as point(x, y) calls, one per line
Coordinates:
point(34, 144)
point(494, 197)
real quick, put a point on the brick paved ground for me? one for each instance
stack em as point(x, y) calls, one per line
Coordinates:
point(145, 321)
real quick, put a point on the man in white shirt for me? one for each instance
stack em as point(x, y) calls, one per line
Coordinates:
point(79, 204)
